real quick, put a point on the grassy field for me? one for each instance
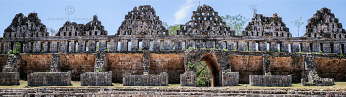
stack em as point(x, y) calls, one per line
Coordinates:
point(76, 84)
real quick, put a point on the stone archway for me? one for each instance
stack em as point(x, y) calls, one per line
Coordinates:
point(217, 63)
point(212, 60)
point(214, 68)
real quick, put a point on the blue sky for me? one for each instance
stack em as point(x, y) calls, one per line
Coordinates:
point(54, 13)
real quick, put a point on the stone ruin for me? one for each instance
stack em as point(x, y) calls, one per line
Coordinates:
point(146, 79)
point(99, 77)
point(23, 26)
point(12, 63)
point(324, 24)
point(142, 20)
point(311, 77)
point(267, 26)
point(206, 21)
point(268, 79)
point(53, 78)
point(92, 28)
point(142, 28)
point(54, 67)
point(220, 69)
point(10, 74)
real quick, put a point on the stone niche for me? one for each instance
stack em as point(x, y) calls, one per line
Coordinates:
point(49, 79)
point(270, 80)
point(96, 79)
point(146, 80)
point(9, 78)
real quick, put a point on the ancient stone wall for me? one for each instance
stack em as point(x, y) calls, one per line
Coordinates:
point(146, 80)
point(267, 26)
point(324, 24)
point(270, 80)
point(96, 79)
point(9, 78)
point(49, 79)
point(119, 63)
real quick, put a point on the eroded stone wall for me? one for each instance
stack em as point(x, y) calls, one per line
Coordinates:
point(173, 64)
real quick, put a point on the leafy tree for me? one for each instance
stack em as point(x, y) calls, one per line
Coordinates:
point(236, 22)
point(203, 74)
point(173, 29)
point(16, 50)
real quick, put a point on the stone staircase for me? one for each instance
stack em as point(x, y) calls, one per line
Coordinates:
point(165, 92)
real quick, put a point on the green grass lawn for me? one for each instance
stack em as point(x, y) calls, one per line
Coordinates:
point(76, 84)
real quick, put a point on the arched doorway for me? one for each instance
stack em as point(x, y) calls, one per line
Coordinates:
point(213, 67)
point(212, 61)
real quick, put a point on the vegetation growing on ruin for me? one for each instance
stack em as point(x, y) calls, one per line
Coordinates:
point(16, 50)
point(202, 73)
point(173, 29)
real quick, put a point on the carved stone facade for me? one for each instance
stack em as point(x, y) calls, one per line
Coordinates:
point(324, 24)
point(206, 21)
point(23, 26)
point(142, 20)
point(92, 28)
point(267, 26)
point(143, 32)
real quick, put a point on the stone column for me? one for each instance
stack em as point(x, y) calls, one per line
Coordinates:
point(54, 66)
point(100, 61)
point(266, 64)
point(146, 61)
point(12, 63)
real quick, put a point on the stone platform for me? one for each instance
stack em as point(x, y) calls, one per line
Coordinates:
point(9, 78)
point(319, 82)
point(146, 80)
point(230, 78)
point(188, 78)
point(96, 79)
point(271, 80)
point(49, 79)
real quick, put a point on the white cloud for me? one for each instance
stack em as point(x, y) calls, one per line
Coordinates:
point(182, 13)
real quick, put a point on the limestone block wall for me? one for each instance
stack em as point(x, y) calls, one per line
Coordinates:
point(96, 79)
point(270, 80)
point(9, 78)
point(49, 79)
point(146, 80)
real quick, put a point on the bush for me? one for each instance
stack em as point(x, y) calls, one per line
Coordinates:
point(203, 74)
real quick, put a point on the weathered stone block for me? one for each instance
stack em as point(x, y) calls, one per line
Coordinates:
point(49, 79)
point(188, 79)
point(230, 78)
point(319, 82)
point(271, 80)
point(146, 80)
point(9, 78)
point(96, 79)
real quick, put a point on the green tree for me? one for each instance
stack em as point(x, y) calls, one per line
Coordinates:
point(16, 50)
point(236, 23)
point(173, 29)
point(203, 74)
